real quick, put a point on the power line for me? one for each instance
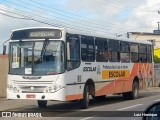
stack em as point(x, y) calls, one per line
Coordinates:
point(75, 14)
point(44, 22)
point(70, 25)
point(117, 4)
point(47, 18)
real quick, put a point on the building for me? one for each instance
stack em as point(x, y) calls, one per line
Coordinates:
point(146, 36)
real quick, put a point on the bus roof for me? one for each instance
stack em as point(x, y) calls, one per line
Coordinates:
point(36, 28)
point(101, 35)
point(109, 37)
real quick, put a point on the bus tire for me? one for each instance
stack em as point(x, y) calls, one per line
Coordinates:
point(85, 100)
point(42, 103)
point(134, 93)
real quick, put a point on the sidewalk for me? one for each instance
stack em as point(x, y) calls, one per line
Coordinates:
point(151, 89)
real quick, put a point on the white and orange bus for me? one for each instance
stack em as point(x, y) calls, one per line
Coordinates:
point(56, 64)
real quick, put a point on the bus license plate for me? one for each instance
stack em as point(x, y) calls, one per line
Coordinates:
point(30, 96)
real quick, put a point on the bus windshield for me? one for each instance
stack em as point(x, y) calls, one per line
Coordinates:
point(36, 58)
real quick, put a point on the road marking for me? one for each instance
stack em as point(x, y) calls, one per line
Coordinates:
point(87, 118)
point(157, 100)
point(129, 107)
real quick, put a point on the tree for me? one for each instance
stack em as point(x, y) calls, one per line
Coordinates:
point(156, 59)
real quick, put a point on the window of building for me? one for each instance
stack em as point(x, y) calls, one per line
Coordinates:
point(114, 50)
point(101, 49)
point(87, 49)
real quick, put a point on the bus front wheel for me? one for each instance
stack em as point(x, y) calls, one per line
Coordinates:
point(134, 93)
point(42, 103)
point(85, 100)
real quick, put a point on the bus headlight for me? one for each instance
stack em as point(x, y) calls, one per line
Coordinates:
point(53, 88)
point(13, 88)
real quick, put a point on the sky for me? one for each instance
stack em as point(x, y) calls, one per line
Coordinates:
point(111, 17)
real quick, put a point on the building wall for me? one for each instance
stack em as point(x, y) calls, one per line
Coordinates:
point(147, 37)
point(3, 74)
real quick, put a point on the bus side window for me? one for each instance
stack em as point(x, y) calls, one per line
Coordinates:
point(114, 50)
point(149, 54)
point(134, 52)
point(73, 51)
point(87, 49)
point(101, 49)
point(125, 52)
point(143, 53)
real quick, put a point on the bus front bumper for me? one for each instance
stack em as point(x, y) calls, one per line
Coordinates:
point(57, 96)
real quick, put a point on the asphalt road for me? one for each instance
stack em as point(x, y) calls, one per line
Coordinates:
point(110, 108)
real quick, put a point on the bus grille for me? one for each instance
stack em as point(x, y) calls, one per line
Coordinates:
point(32, 86)
point(31, 83)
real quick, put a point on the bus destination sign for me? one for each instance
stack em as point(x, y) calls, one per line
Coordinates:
point(36, 34)
point(42, 34)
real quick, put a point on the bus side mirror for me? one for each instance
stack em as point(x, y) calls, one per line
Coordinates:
point(4, 49)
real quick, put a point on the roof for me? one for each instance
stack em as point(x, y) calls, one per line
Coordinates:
point(144, 33)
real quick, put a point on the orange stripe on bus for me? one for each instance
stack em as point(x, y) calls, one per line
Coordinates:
point(74, 97)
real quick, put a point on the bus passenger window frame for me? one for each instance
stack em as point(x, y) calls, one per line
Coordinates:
point(114, 49)
point(134, 53)
point(124, 51)
point(101, 51)
point(143, 53)
point(87, 49)
point(72, 63)
point(149, 54)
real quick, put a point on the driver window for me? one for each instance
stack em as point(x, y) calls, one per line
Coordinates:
point(73, 51)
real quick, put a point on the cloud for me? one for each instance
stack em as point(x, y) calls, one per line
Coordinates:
point(7, 24)
point(95, 8)
point(120, 16)
point(145, 16)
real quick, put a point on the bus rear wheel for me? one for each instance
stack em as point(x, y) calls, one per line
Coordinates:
point(85, 100)
point(42, 103)
point(133, 94)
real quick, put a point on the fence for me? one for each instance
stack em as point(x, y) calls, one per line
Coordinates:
point(3, 74)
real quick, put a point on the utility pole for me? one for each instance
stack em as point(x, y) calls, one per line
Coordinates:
point(158, 25)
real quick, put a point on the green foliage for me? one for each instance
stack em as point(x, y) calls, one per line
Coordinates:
point(156, 59)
